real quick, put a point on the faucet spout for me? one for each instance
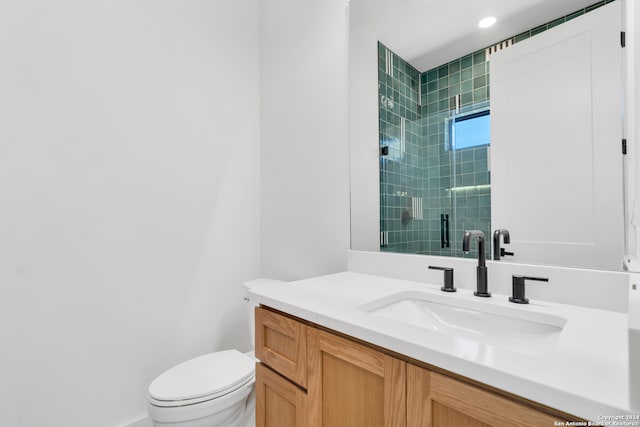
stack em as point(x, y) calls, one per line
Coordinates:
point(481, 270)
point(466, 245)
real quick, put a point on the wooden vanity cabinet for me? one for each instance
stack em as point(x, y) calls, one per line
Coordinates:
point(353, 385)
point(436, 400)
point(279, 402)
point(311, 377)
point(281, 344)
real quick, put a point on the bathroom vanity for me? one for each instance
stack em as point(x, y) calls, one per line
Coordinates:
point(366, 385)
point(357, 349)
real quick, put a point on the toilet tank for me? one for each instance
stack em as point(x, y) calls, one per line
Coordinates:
point(251, 305)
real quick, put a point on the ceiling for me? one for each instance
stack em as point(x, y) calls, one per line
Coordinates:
point(429, 33)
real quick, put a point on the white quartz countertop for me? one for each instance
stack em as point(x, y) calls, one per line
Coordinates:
point(585, 374)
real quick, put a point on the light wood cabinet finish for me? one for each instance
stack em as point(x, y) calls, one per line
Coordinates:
point(281, 344)
point(279, 403)
point(353, 385)
point(435, 400)
point(418, 397)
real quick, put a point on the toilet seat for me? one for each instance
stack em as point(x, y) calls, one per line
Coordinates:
point(202, 379)
point(187, 402)
point(224, 409)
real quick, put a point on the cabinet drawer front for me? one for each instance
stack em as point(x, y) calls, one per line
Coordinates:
point(278, 401)
point(281, 344)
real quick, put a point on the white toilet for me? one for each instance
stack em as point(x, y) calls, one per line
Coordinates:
point(214, 390)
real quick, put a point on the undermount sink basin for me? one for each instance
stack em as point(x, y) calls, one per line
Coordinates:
point(517, 329)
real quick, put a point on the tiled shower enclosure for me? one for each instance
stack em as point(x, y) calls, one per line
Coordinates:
point(429, 192)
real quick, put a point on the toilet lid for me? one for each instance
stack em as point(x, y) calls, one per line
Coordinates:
point(212, 373)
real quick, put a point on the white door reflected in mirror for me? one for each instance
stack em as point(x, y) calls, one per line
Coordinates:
point(556, 144)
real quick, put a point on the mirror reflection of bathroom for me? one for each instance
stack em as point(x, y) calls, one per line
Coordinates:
point(435, 156)
point(434, 147)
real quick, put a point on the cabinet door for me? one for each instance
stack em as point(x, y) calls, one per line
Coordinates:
point(350, 385)
point(434, 400)
point(279, 403)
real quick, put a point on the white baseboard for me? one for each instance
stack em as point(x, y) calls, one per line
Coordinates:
point(143, 422)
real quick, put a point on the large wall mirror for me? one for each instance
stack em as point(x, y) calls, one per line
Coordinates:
point(515, 127)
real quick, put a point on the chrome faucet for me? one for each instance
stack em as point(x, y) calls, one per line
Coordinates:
point(497, 252)
point(481, 270)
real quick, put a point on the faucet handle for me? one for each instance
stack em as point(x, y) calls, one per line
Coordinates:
point(518, 288)
point(503, 253)
point(448, 278)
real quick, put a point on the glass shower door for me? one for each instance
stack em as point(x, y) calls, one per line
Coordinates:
point(470, 191)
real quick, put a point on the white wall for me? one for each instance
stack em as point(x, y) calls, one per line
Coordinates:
point(129, 198)
point(304, 138)
point(632, 125)
point(363, 110)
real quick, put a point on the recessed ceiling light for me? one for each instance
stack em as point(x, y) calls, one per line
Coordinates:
point(487, 22)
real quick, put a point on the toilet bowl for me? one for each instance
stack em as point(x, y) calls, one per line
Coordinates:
point(213, 390)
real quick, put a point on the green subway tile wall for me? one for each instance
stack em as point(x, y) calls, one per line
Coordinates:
point(421, 179)
point(401, 182)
